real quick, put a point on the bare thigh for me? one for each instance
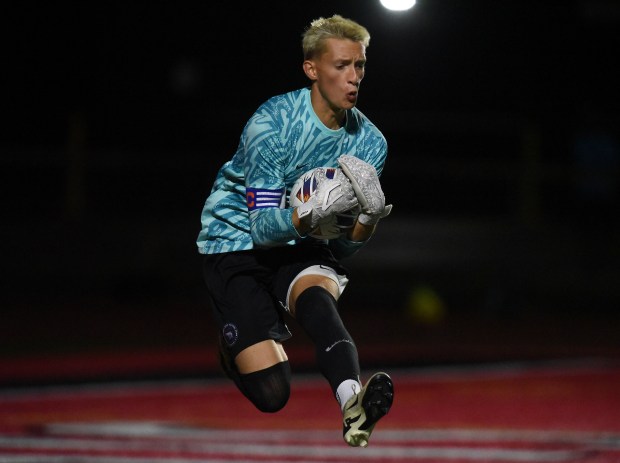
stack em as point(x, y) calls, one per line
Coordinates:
point(259, 356)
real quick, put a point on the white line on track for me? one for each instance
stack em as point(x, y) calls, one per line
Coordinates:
point(281, 451)
point(168, 431)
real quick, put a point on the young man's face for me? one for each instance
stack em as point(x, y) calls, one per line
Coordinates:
point(338, 72)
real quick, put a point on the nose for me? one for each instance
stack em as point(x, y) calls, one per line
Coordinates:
point(355, 76)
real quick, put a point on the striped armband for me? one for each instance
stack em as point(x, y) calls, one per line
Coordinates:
point(259, 198)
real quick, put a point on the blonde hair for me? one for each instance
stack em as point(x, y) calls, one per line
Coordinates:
point(337, 27)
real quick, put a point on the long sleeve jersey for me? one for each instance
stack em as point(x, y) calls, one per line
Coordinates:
point(248, 204)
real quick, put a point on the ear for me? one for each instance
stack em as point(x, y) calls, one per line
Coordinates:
point(310, 70)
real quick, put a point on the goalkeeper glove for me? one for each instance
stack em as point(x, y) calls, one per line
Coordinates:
point(332, 196)
point(365, 183)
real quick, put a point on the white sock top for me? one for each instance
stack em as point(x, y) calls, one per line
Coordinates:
point(347, 389)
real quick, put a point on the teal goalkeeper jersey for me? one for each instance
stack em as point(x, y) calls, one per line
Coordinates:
point(248, 204)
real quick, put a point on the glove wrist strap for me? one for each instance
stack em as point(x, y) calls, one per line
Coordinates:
point(304, 213)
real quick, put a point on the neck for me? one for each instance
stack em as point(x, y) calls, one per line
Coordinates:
point(332, 118)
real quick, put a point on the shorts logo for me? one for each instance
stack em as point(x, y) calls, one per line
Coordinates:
point(230, 333)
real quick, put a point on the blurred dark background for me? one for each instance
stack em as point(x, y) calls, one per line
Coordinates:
point(502, 120)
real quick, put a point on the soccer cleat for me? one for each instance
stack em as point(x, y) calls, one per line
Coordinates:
point(363, 410)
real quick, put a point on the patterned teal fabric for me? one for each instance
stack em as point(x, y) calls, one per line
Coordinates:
point(248, 204)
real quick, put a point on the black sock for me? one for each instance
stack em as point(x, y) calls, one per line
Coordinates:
point(316, 311)
point(268, 389)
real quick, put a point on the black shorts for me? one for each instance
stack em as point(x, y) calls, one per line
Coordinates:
point(248, 289)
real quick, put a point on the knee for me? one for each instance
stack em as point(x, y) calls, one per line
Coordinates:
point(269, 389)
point(271, 403)
point(312, 282)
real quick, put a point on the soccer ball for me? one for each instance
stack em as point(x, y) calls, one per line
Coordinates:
point(303, 189)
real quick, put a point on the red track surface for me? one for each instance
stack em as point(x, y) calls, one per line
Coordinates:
point(563, 412)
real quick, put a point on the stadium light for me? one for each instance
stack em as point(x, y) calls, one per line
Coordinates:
point(398, 5)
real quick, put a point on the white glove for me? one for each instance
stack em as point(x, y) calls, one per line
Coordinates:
point(365, 183)
point(332, 196)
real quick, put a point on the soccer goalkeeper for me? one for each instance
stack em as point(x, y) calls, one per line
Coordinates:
point(261, 261)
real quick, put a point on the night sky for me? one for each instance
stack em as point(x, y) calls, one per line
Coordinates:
point(152, 76)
